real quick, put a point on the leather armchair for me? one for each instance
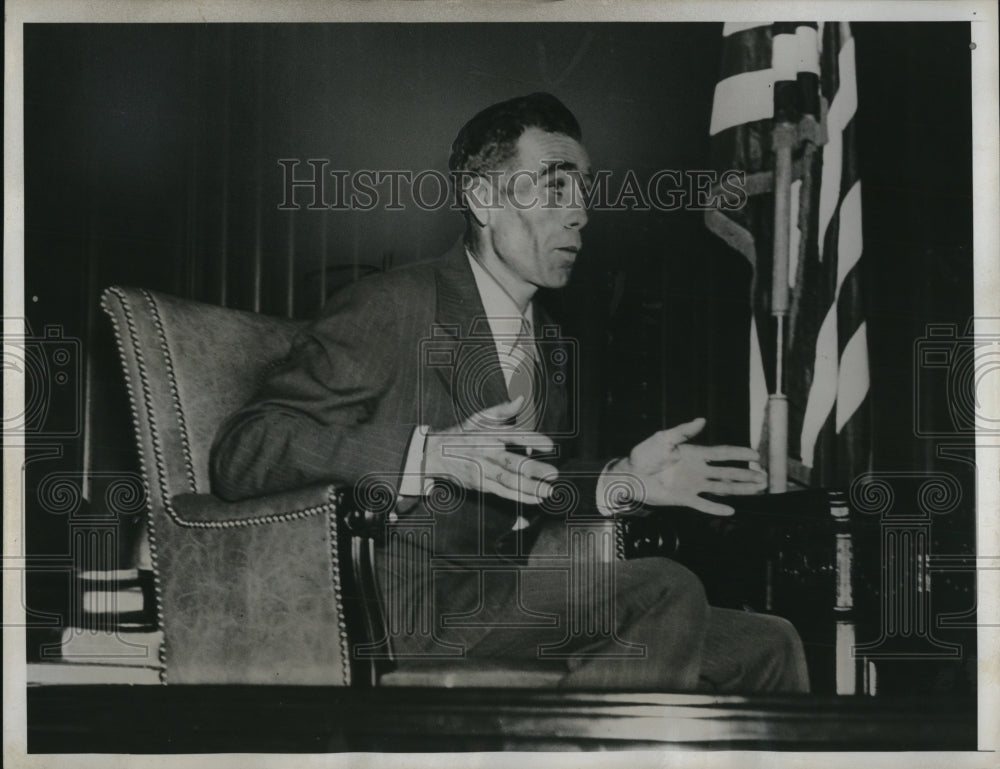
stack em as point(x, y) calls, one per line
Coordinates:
point(234, 603)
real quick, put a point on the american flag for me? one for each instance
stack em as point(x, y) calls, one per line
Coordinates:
point(803, 75)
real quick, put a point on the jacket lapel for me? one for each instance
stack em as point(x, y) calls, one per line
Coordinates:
point(462, 346)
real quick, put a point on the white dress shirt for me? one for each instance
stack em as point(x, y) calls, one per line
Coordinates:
point(506, 321)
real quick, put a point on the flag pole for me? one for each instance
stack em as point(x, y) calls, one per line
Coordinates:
point(777, 403)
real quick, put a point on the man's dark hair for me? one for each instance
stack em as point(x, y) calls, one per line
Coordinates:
point(488, 140)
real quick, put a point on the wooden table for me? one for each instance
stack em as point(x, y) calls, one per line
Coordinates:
point(181, 719)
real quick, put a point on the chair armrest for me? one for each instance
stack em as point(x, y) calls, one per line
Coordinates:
point(250, 592)
point(648, 536)
point(205, 509)
point(359, 519)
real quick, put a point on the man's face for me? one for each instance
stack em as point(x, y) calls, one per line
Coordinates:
point(536, 230)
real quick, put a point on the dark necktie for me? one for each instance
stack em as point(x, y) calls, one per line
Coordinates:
point(525, 379)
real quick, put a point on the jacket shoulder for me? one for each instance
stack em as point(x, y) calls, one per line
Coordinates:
point(405, 291)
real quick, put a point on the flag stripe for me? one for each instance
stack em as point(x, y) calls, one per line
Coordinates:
point(845, 103)
point(732, 27)
point(829, 186)
point(758, 387)
point(825, 390)
point(850, 297)
point(852, 380)
point(742, 98)
point(849, 234)
point(840, 215)
point(842, 109)
point(748, 51)
point(807, 41)
point(795, 51)
point(823, 393)
point(785, 56)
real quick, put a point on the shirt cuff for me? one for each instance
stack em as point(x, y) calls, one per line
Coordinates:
point(617, 494)
point(413, 483)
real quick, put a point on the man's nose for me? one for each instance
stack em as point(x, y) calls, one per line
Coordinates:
point(576, 216)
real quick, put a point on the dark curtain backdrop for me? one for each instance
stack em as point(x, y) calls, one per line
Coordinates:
point(151, 157)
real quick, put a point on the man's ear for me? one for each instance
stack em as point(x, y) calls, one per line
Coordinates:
point(479, 198)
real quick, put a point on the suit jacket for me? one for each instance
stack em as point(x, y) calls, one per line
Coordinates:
point(390, 352)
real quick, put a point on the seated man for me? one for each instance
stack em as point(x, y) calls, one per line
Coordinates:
point(441, 373)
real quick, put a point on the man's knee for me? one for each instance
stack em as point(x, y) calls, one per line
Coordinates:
point(660, 584)
point(788, 655)
point(690, 592)
point(783, 635)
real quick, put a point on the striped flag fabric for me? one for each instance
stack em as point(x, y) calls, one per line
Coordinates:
point(800, 75)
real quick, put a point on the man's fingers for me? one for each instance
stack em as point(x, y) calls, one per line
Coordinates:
point(706, 506)
point(523, 496)
point(729, 454)
point(514, 479)
point(738, 474)
point(723, 488)
point(530, 440)
point(682, 433)
point(528, 468)
point(517, 496)
point(494, 417)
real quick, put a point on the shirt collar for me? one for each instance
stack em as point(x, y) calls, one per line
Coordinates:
point(502, 313)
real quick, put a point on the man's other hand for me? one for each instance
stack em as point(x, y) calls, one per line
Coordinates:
point(476, 455)
point(673, 472)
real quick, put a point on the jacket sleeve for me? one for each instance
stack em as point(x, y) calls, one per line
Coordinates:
point(322, 414)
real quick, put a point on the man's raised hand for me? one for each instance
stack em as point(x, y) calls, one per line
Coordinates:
point(672, 472)
point(475, 454)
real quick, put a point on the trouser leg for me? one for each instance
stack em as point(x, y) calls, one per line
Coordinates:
point(687, 645)
point(660, 617)
point(661, 609)
point(659, 606)
point(746, 652)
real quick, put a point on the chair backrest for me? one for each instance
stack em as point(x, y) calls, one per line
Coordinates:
point(246, 592)
point(190, 365)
